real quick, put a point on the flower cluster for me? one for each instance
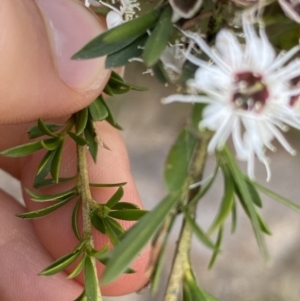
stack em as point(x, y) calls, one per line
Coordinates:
point(251, 94)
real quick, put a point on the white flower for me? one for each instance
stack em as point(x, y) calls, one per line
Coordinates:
point(248, 91)
point(173, 59)
point(125, 13)
point(291, 9)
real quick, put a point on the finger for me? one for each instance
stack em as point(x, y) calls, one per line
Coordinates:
point(55, 229)
point(37, 76)
point(22, 257)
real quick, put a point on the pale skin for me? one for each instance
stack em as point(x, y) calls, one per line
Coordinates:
point(37, 79)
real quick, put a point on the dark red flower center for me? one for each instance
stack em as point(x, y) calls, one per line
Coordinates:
point(249, 92)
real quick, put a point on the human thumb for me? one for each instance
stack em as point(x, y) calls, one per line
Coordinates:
point(37, 76)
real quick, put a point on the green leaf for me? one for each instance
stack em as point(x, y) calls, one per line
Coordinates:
point(81, 120)
point(277, 197)
point(263, 225)
point(205, 188)
point(227, 201)
point(51, 143)
point(127, 214)
point(90, 280)
point(35, 131)
point(60, 264)
point(197, 115)
point(115, 198)
point(107, 90)
point(246, 197)
point(46, 163)
point(42, 212)
point(254, 194)
point(78, 268)
point(90, 136)
point(107, 185)
point(78, 139)
point(233, 217)
point(45, 129)
point(117, 228)
point(99, 254)
point(117, 38)
point(178, 160)
point(98, 110)
point(136, 238)
point(160, 73)
point(131, 29)
point(98, 223)
point(198, 231)
point(159, 38)
point(113, 236)
point(38, 197)
point(22, 150)
point(75, 219)
point(121, 57)
point(124, 205)
point(218, 247)
point(110, 118)
point(56, 162)
point(42, 182)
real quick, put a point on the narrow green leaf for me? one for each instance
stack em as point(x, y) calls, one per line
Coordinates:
point(78, 268)
point(45, 129)
point(78, 139)
point(178, 160)
point(127, 214)
point(198, 231)
point(75, 219)
point(42, 212)
point(60, 264)
point(107, 185)
point(38, 197)
point(136, 238)
point(81, 120)
point(277, 197)
point(124, 205)
point(22, 150)
point(254, 194)
point(115, 198)
point(42, 182)
point(99, 254)
point(90, 136)
point(98, 223)
point(116, 76)
point(233, 217)
point(90, 280)
point(131, 29)
point(160, 73)
point(247, 198)
point(205, 188)
point(56, 162)
point(51, 143)
point(118, 229)
point(113, 236)
point(82, 297)
point(46, 162)
point(197, 115)
point(263, 225)
point(97, 47)
point(226, 203)
point(218, 247)
point(121, 57)
point(98, 110)
point(110, 118)
point(159, 38)
point(35, 131)
point(107, 90)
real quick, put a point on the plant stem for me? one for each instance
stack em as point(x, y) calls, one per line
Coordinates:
point(86, 202)
point(181, 259)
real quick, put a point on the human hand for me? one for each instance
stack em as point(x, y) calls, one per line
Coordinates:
point(37, 79)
